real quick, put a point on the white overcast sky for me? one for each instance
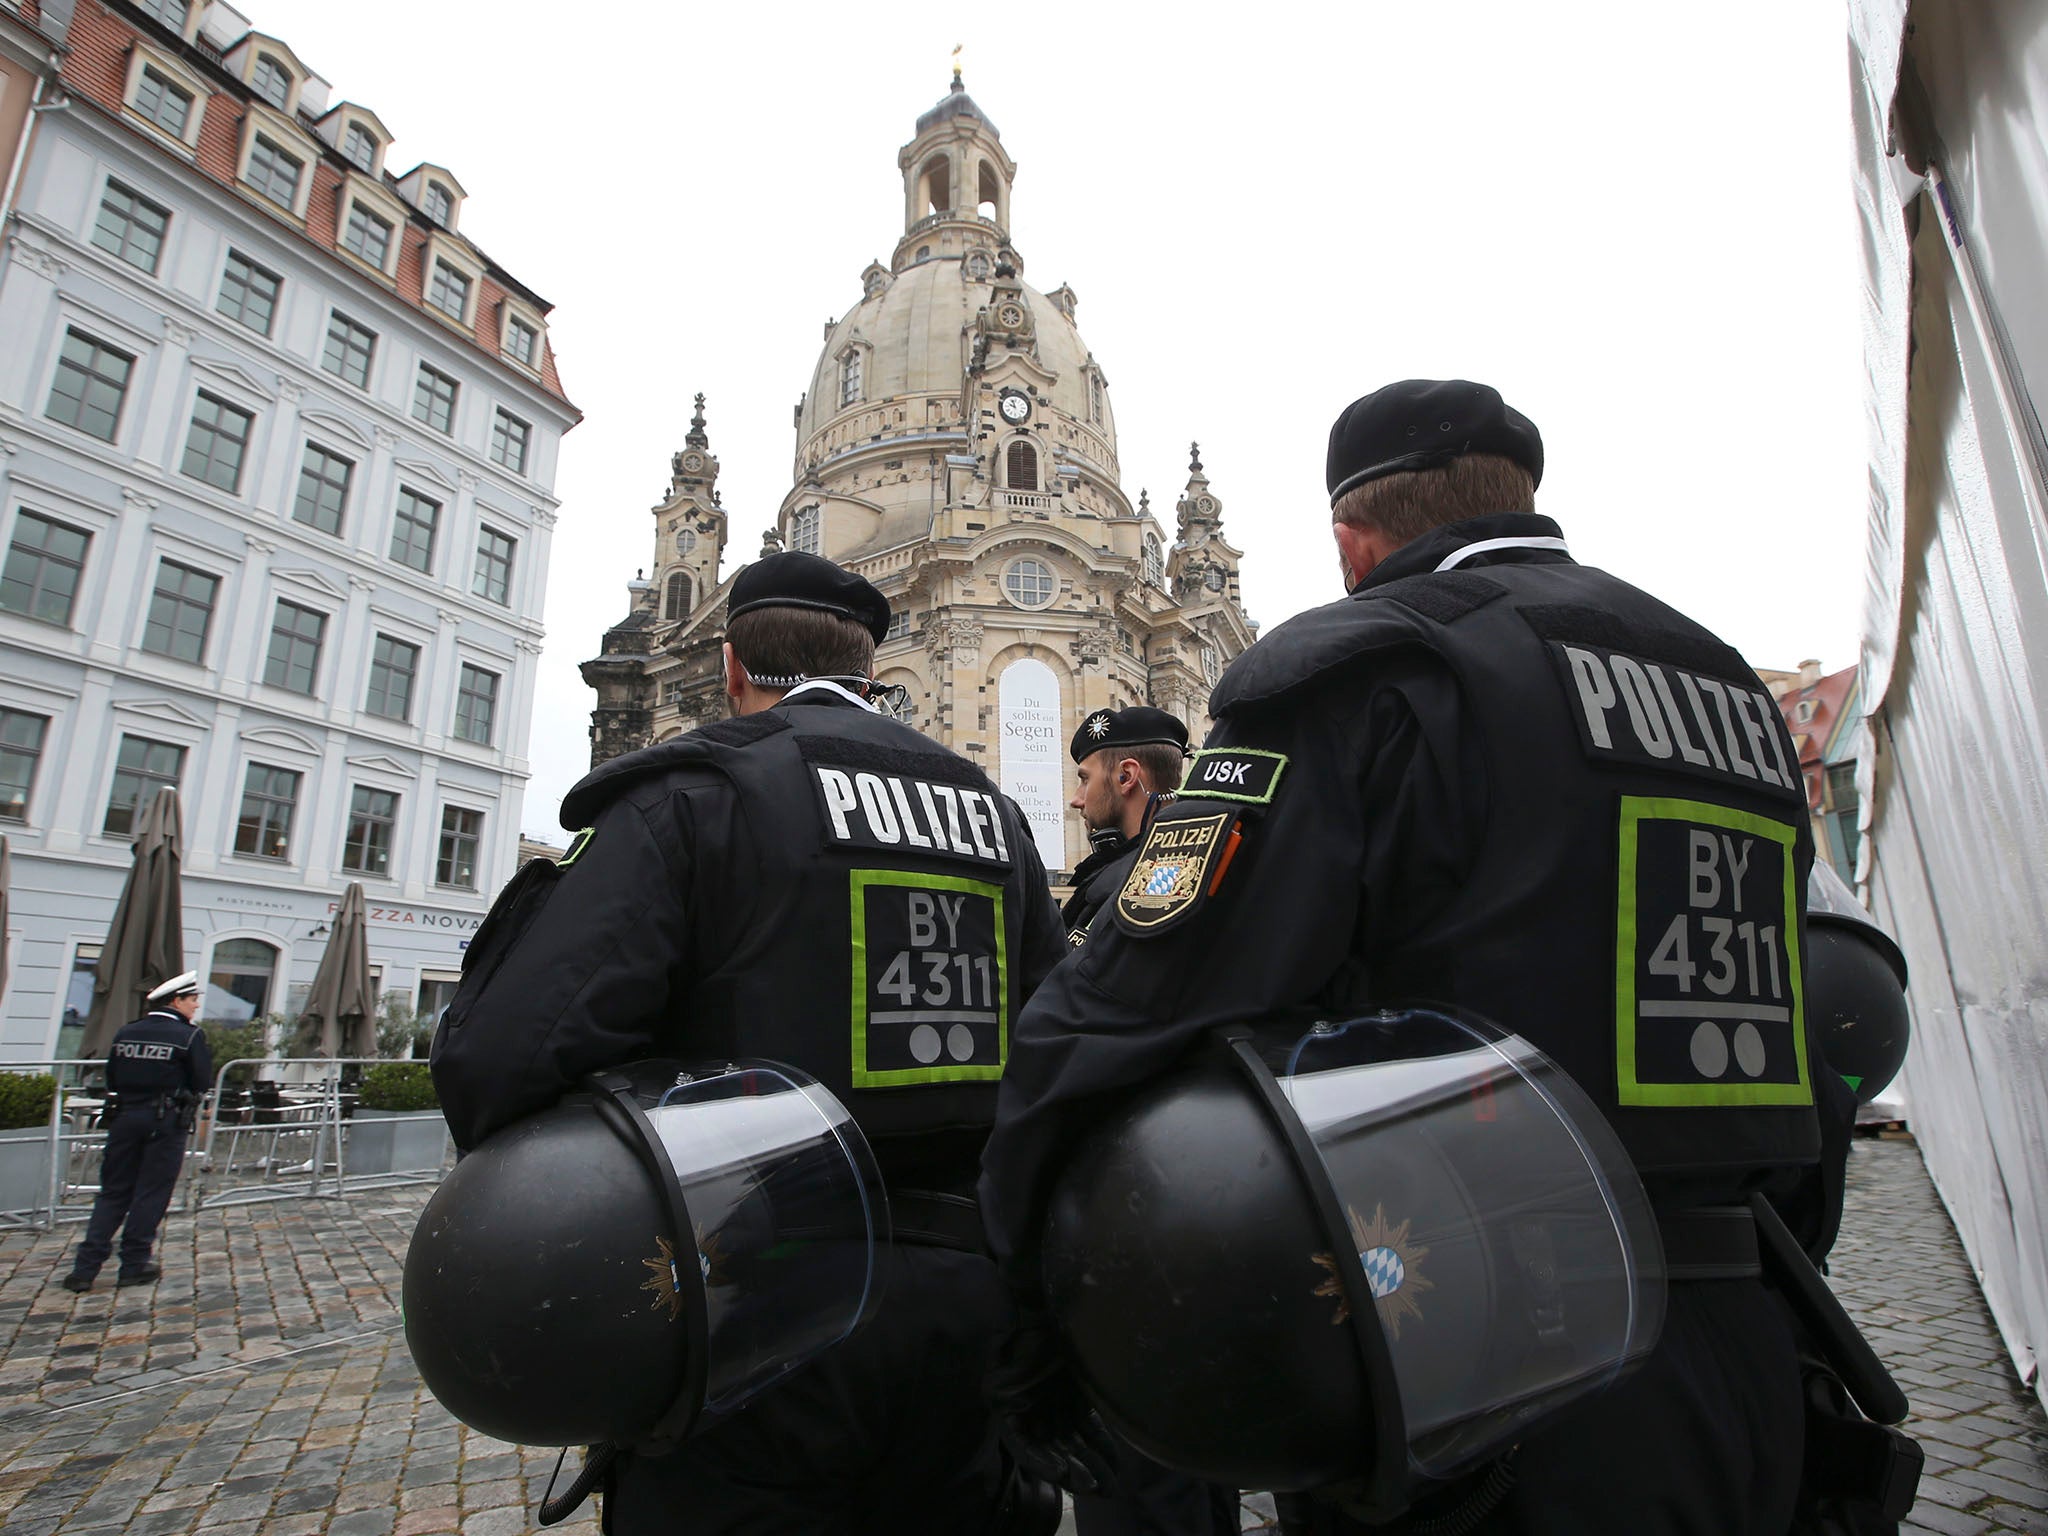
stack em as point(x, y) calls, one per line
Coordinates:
point(1635, 220)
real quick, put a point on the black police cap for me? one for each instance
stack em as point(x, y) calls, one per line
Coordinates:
point(1138, 726)
point(793, 579)
point(1424, 424)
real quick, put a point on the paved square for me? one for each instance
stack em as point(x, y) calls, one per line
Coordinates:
point(264, 1386)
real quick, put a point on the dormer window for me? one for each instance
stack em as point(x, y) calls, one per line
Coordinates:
point(166, 95)
point(172, 13)
point(438, 203)
point(448, 291)
point(522, 341)
point(1155, 562)
point(849, 377)
point(271, 80)
point(274, 172)
point(359, 148)
point(366, 235)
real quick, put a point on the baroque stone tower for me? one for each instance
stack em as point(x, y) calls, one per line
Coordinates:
point(956, 446)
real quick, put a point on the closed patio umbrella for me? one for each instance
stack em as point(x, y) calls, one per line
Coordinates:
point(341, 999)
point(146, 945)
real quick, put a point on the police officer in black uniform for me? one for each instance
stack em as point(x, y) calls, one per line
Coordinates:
point(158, 1069)
point(813, 883)
point(1498, 779)
point(1128, 763)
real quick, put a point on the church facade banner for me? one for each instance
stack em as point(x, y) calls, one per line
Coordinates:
point(1033, 762)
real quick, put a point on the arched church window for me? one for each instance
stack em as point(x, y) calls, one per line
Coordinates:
point(1029, 583)
point(678, 601)
point(803, 530)
point(900, 709)
point(849, 376)
point(686, 540)
point(1155, 562)
point(1022, 467)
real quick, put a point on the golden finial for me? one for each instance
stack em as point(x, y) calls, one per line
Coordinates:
point(956, 64)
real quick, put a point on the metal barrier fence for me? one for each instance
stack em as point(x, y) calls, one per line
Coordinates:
point(298, 1134)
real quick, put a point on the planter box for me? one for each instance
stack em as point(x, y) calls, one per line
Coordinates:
point(25, 1169)
point(395, 1141)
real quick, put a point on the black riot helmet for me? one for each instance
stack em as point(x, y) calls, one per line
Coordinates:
point(1370, 1252)
point(1855, 987)
point(644, 1254)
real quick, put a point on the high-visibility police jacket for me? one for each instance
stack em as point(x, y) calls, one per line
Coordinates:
point(1492, 778)
point(814, 884)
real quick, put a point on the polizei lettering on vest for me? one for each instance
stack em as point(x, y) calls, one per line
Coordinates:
point(864, 809)
point(1653, 712)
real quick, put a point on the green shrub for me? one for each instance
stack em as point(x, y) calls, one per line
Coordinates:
point(399, 1085)
point(396, 1024)
point(25, 1099)
point(229, 1041)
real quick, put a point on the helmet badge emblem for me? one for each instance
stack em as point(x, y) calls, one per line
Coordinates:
point(1393, 1270)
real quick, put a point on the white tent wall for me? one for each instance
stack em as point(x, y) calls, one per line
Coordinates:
point(1952, 193)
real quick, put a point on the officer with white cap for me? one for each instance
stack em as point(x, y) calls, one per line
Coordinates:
point(158, 1068)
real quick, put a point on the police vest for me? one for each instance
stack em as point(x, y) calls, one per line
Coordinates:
point(880, 942)
point(1636, 905)
point(151, 1056)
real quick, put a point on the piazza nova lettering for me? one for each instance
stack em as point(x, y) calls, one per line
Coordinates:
point(416, 917)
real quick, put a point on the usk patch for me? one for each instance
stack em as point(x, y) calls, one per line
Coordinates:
point(1173, 872)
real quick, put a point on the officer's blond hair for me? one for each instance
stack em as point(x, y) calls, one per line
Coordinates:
point(801, 642)
point(1407, 505)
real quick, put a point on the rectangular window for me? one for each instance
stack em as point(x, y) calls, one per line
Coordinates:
point(372, 813)
point(91, 380)
point(131, 226)
point(293, 660)
point(248, 293)
point(412, 531)
point(439, 203)
point(359, 148)
point(508, 441)
point(170, 12)
point(393, 666)
point(522, 342)
point(141, 768)
point(493, 577)
point(275, 173)
point(433, 399)
point(163, 102)
point(899, 624)
point(461, 832)
point(269, 796)
point(45, 564)
point(21, 747)
point(180, 609)
point(323, 489)
point(449, 291)
point(349, 350)
point(218, 439)
point(366, 235)
point(476, 705)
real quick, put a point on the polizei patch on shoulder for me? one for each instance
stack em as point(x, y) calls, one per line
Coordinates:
point(1173, 872)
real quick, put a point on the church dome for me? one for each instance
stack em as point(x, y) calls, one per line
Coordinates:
point(955, 103)
point(913, 339)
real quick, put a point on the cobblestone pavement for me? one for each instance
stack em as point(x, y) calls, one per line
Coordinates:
point(1901, 1272)
point(263, 1385)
